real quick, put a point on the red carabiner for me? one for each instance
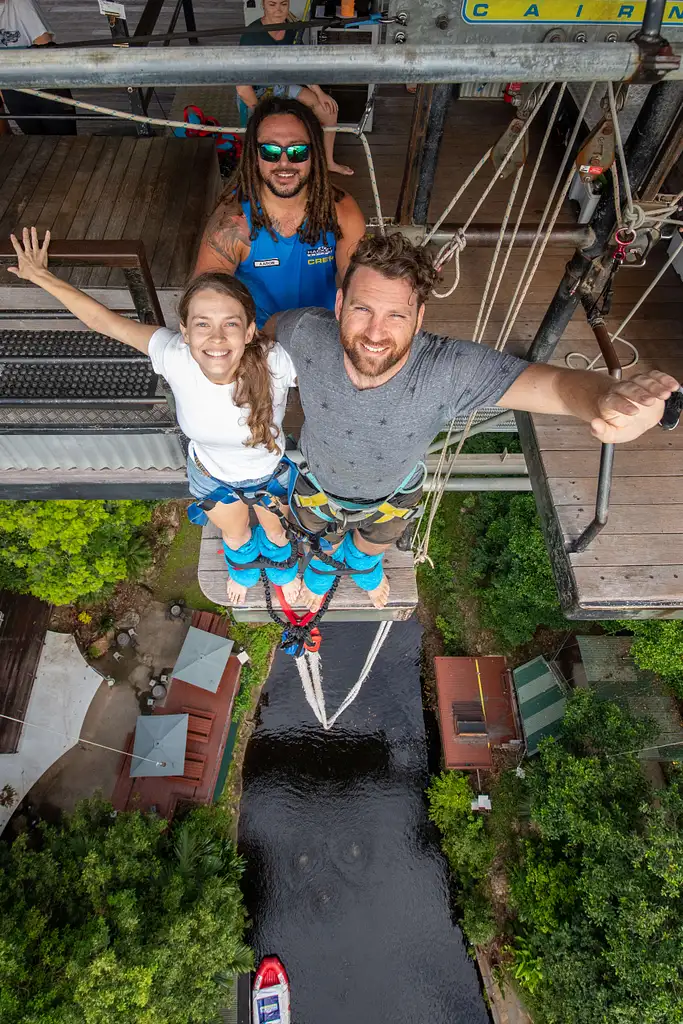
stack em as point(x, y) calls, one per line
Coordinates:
point(623, 243)
point(316, 639)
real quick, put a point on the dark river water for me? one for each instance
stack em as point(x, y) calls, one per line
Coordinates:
point(345, 880)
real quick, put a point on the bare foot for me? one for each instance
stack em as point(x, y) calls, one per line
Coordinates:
point(380, 595)
point(336, 168)
point(291, 591)
point(236, 592)
point(310, 600)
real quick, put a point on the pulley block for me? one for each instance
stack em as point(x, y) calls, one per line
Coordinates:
point(598, 151)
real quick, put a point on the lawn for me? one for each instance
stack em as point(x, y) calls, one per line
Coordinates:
point(178, 578)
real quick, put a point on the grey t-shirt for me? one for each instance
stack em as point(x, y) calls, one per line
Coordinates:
point(363, 444)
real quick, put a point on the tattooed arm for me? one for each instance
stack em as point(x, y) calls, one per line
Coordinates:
point(225, 242)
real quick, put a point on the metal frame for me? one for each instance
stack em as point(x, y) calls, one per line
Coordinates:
point(137, 67)
point(129, 257)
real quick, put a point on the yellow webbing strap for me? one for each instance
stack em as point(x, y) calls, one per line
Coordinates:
point(391, 512)
point(311, 500)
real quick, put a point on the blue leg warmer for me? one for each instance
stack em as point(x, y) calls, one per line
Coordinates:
point(249, 552)
point(321, 582)
point(276, 554)
point(356, 559)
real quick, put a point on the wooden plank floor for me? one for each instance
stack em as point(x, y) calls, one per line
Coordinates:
point(634, 569)
point(349, 602)
point(92, 187)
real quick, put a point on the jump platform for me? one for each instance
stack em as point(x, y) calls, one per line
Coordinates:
point(349, 604)
point(634, 568)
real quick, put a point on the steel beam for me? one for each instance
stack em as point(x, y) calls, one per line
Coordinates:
point(134, 67)
point(438, 109)
point(485, 236)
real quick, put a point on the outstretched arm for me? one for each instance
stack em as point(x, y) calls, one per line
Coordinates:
point(616, 410)
point(32, 266)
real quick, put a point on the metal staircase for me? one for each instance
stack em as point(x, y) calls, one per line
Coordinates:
point(78, 410)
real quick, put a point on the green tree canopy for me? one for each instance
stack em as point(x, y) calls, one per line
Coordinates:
point(598, 888)
point(117, 919)
point(64, 551)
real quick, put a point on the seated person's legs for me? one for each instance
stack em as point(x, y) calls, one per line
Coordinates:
point(326, 110)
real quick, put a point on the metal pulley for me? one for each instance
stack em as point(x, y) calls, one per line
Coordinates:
point(525, 99)
point(598, 151)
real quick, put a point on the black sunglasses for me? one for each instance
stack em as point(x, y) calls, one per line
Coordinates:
point(296, 154)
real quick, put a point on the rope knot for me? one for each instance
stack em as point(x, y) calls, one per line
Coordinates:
point(446, 253)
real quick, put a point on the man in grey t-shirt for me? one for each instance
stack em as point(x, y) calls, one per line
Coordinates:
point(376, 390)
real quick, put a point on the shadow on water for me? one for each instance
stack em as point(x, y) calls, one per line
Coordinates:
point(345, 880)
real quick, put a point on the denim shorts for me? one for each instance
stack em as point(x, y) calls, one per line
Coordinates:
point(201, 486)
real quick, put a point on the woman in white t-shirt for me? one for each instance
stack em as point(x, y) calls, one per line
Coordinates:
point(230, 385)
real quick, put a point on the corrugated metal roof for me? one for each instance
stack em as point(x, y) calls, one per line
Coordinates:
point(612, 673)
point(90, 451)
point(541, 701)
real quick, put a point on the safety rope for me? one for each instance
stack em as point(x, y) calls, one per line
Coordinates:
point(445, 468)
point(218, 129)
point(310, 671)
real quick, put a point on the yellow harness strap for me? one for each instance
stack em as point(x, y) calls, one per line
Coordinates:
point(391, 512)
point(311, 500)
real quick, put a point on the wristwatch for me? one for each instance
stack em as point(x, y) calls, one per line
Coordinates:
point(673, 407)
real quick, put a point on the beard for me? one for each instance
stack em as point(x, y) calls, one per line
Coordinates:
point(297, 185)
point(363, 361)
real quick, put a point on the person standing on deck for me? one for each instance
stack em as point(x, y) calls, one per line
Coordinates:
point(23, 24)
point(376, 390)
point(281, 226)
point(276, 12)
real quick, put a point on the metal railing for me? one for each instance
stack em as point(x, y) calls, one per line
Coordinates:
point(100, 357)
point(609, 354)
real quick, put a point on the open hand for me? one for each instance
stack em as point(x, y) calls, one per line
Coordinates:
point(329, 105)
point(31, 256)
point(632, 406)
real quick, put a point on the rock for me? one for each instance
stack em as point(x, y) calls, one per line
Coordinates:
point(99, 647)
point(129, 620)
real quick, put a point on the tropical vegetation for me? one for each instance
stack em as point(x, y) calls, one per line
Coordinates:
point(117, 917)
point(578, 872)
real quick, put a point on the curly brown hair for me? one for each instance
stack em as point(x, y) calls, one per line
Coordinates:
point(322, 195)
point(397, 258)
point(253, 379)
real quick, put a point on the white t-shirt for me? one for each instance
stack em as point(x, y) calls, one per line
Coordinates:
point(217, 428)
point(21, 21)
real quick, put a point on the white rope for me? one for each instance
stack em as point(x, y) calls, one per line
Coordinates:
point(621, 155)
point(161, 122)
point(309, 667)
point(444, 469)
point(451, 249)
point(533, 258)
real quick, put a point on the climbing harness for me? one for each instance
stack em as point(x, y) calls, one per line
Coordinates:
point(342, 514)
point(300, 632)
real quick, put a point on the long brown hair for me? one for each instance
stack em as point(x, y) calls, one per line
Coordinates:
point(245, 184)
point(253, 385)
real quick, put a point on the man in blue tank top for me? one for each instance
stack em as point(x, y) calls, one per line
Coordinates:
point(281, 226)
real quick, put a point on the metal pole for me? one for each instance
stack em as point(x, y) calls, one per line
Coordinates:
point(647, 136)
point(139, 67)
point(138, 105)
point(485, 236)
point(441, 98)
point(651, 30)
point(411, 167)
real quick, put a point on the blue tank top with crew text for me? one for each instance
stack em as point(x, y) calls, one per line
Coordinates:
point(286, 273)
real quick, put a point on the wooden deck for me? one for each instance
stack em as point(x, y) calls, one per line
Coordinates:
point(349, 602)
point(95, 187)
point(634, 568)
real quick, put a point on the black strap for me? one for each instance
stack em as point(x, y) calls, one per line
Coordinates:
point(294, 633)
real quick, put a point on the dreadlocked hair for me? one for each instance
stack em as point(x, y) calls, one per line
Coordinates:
point(252, 379)
point(245, 183)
